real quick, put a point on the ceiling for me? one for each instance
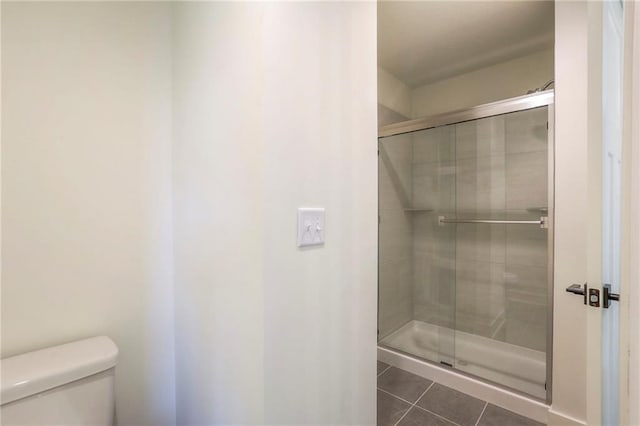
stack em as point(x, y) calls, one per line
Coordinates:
point(421, 42)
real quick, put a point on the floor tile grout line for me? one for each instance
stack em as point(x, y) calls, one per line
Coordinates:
point(403, 416)
point(421, 408)
point(395, 396)
point(432, 383)
point(431, 412)
point(384, 371)
point(437, 415)
point(414, 404)
point(481, 414)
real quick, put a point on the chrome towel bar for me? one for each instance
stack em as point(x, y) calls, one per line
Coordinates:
point(542, 222)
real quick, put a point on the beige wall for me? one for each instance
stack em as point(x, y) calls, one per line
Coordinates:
point(501, 81)
point(86, 189)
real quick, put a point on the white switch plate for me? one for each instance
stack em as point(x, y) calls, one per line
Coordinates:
point(310, 226)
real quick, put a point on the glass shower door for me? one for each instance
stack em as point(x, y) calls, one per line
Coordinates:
point(501, 258)
point(417, 256)
point(465, 242)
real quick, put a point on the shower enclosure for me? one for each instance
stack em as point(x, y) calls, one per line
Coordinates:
point(465, 241)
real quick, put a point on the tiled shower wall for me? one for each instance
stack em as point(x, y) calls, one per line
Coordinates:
point(434, 179)
point(526, 260)
point(395, 298)
point(489, 280)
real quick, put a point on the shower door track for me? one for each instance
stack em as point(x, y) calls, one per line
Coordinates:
point(520, 103)
point(506, 106)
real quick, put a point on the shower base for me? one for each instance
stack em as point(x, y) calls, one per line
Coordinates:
point(515, 367)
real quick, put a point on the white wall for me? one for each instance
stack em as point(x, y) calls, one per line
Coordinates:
point(273, 107)
point(86, 189)
point(268, 332)
point(218, 212)
point(633, 267)
point(393, 93)
point(571, 197)
point(501, 81)
point(320, 305)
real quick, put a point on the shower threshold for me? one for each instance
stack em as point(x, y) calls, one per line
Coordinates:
point(513, 366)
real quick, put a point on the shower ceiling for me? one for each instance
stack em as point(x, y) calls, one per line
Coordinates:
point(423, 42)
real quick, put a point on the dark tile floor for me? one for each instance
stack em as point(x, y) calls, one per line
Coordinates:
point(405, 399)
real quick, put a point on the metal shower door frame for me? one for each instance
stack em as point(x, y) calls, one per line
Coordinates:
point(506, 106)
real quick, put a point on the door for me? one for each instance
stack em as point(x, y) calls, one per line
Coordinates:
point(608, 349)
point(612, 80)
point(592, 164)
point(416, 257)
point(502, 248)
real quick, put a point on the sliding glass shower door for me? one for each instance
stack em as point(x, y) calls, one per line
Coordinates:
point(501, 249)
point(464, 246)
point(416, 256)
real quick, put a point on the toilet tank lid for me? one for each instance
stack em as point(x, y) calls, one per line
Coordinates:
point(37, 371)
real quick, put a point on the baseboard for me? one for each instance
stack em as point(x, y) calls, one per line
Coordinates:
point(560, 419)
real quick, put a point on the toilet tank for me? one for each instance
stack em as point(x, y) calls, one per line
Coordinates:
point(70, 384)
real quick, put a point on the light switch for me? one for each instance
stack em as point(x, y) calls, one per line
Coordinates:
point(310, 226)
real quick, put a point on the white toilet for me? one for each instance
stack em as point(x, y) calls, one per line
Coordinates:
point(70, 384)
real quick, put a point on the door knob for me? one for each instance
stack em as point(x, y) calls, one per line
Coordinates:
point(591, 296)
point(579, 289)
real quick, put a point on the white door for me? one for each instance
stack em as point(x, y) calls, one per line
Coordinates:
point(605, 400)
point(612, 82)
point(593, 70)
